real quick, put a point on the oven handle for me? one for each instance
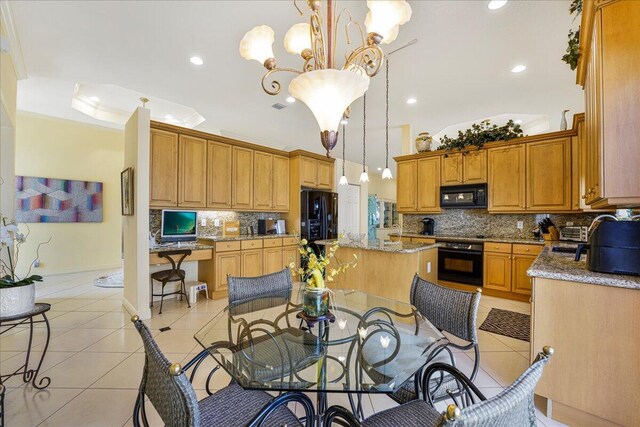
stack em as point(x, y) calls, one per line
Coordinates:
point(459, 251)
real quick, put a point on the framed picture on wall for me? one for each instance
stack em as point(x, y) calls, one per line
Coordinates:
point(126, 188)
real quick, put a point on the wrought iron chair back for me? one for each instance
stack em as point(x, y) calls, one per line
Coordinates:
point(242, 288)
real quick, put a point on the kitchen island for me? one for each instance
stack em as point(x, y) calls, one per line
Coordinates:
point(592, 321)
point(384, 268)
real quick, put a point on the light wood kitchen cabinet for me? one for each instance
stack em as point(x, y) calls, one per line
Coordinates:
point(506, 178)
point(272, 260)
point(520, 282)
point(308, 172)
point(549, 175)
point(474, 167)
point(325, 175)
point(192, 172)
point(280, 183)
point(406, 186)
point(227, 264)
point(242, 181)
point(163, 179)
point(251, 263)
point(262, 180)
point(497, 271)
point(219, 161)
point(452, 169)
point(290, 254)
point(428, 185)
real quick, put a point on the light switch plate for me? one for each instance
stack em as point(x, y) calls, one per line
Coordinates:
point(520, 225)
point(569, 223)
point(203, 222)
point(216, 222)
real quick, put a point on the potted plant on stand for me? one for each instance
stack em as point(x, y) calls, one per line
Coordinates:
point(316, 295)
point(17, 295)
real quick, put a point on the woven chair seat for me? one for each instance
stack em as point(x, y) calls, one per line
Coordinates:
point(406, 392)
point(233, 406)
point(168, 275)
point(417, 413)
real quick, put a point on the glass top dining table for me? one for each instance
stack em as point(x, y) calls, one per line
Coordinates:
point(370, 344)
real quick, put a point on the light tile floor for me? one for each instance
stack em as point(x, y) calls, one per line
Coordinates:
point(96, 357)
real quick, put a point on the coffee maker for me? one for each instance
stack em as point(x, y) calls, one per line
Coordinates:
point(428, 225)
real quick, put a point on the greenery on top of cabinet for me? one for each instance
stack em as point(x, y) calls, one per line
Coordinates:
point(479, 134)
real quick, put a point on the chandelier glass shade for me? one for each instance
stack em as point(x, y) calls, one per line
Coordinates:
point(329, 90)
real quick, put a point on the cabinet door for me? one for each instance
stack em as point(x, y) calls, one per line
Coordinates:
point(242, 178)
point(262, 180)
point(272, 260)
point(520, 282)
point(163, 179)
point(227, 264)
point(452, 169)
point(251, 263)
point(290, 254)
point(497, 271)
point(506, 170)
point(192, 172)
point(475, 167)
point(219, 175)
point(406, 186)
point(280, 183)
point(428, 184)
point(308, 172)
point(593, 117)
point(325, 175)
point(549, 175)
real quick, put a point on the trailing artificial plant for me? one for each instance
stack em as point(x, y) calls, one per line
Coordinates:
point(479, 134)
point(573, 51)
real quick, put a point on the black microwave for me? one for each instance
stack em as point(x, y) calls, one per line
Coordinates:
point(463, 196)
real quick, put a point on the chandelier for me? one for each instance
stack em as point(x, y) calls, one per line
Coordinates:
point(328, 91)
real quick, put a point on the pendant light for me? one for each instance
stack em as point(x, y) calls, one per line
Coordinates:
point(343, 178)
point(364, 176)
point(386, 173)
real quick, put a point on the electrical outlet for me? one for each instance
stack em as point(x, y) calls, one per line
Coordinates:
point(569, 223)
point(203, 222)
point(216, 222)
point(520, 225)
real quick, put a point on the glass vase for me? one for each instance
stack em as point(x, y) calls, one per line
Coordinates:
point(315, 301)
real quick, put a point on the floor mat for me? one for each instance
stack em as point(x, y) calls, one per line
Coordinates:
point(115, 280)
point(508, 323)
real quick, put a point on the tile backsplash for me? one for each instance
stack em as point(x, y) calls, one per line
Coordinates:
point(247, 219)
point(472, 222)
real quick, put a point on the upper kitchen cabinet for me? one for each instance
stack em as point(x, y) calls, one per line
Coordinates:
point(219, 167)
point(192, 172)
point(325, 175)
point(608, 70)
point(428, 196)
point(406, 186)
point(506, 178)
point(242, 178)
point(464, 168)
point(452, 169)
point(280, 183)
point(549, 175)
point(316, 173)
point(262, 180)
point(163, 179)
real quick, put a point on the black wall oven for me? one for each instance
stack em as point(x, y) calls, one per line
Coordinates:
point(460, 262)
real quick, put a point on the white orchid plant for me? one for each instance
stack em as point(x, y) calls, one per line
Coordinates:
point(11, 237)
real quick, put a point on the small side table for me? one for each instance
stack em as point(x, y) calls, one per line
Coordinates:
point(9, 322)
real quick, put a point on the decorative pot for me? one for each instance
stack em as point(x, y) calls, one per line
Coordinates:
point(423, 142)
point(315, 301)
point(17, 300)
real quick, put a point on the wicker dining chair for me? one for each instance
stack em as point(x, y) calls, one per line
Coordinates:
point(172, 395)
point(242, 288)
point(513, 407)
point(452, 311)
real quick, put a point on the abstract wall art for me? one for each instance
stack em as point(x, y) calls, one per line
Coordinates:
point(57, 200)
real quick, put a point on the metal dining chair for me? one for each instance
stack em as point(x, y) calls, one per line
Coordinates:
point(175, 274)
point(172, 395)
point(513, 407)
point(452, 311)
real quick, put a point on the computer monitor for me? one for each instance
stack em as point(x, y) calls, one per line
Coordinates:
point(178, 226)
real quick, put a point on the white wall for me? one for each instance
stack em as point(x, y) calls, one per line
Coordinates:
point(352, 172)
point(383, 188)
point(7, 169)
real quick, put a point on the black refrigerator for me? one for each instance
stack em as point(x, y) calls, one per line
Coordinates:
point(318, 215)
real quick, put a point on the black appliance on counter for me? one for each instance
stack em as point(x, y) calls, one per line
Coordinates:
point(613, 247)
point(318, 215)
point(463, 196)
point(428, 226)
point(460, 262)
point(267, 226)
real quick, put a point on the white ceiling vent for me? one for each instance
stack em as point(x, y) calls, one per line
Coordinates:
point(279, 106)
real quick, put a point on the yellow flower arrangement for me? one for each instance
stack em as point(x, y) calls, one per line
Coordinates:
point(315, 273)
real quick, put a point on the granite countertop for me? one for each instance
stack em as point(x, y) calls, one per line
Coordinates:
point(208, 242)
point(244, 237)
point(446, 238)
point(194, 246)
point(379, 245)
point(562, 266)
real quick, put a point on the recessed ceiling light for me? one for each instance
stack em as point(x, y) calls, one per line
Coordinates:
point(291, 99)
point(518, 122)
point(411, 101)
point(344, 122)
point(94, 99)
point(379, 169)
point(196, 60)
point(518, 68)
point(496, 4)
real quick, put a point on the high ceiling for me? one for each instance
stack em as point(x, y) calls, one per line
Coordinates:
point(459, 70)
